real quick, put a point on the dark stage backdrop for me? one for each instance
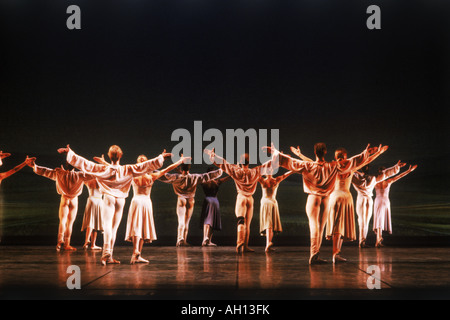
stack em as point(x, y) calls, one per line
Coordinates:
point(138, 70)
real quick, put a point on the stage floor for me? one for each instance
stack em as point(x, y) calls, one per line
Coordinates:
point(216, 273)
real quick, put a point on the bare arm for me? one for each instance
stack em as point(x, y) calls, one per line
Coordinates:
point(298, 153)
point(9, 173)
point(284, 176)
point(161, 173)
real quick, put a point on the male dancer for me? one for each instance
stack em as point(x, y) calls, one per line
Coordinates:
point(364, 185)
point(319, 178)
point(69, 185)
point(115, 182)
point(246, 180)
point(185, 185)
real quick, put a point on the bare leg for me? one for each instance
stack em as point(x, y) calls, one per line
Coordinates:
point(63, 214)
point(87, 239)
point(248, 220)
point(269, 237)
point(206, 231)
point(108, 214)
point(93, 240)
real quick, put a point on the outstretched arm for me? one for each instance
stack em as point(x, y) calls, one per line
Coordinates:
point(401, 175)
point(9, 173)
point(390, 171)
point(80, 162)
point(298, 153)
point(375, 154)
point(161, 173)
point(284, 176)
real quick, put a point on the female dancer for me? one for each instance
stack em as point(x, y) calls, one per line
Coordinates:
point(140, 224)
point(210, 219)
point(185, 185)
point(92, 220)
point(115, 182)
point(382, 206)
point(364, 183)
point(269, 218)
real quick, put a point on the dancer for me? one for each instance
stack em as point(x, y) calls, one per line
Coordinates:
point(140, 224)
point(7, 174)
point(319, 178)
point(115, 183)
point(382, 206)
point(340, 225)
point(246, 180)
point(185, 185)
point(92, 219)
point(210, 219)
point(270, 222)
point(69, 185)
point(364, 183)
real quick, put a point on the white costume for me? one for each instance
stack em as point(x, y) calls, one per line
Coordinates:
point(364, 185)
point(269, 212)
point(341, 218)
point(93, 212)
point(185, 186)
point(140, 221)
point(382, 207)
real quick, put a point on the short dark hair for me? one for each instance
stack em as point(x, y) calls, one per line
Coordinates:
point(340, 153)
point(185, 167)
point(320, 149)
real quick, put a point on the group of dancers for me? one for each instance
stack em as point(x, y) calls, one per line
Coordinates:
point(327, 183)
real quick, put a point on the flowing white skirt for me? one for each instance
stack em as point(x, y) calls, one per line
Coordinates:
point(140, 219)
point(93, 214)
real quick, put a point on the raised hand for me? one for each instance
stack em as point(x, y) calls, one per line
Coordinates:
point(4, 155)
point(101, 160)
point(64, 150)
point(296, 151)
point(165, 154)
point(400, 163)
point(30, 161)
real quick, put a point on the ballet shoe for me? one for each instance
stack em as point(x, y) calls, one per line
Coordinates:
point(316, 260)
point(239, 248)
point(59, 246)
point(113, 261)
point(337, 258)
point(86, 245)
point(210, 244)
point(96, 248)
point(142, 260)
point(363, 244)
point(180, 243)
point(205, 242)
point(247, 249)
point(69, 248)
point(105, 258)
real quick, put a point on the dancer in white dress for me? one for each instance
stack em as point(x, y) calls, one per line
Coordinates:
point(319, 179)
point(140, 223)
point(382, 205)
point(92, 219)
point(115, 183)
point(246, 180)
point(364, 185)
point(185, 185)
point(69, 184)
point(270, 222)
point(341, 218)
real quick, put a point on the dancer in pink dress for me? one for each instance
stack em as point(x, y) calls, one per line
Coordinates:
point(115, 182)
point(382, 205)
point(319, 179)
point(69, 184)
point(92, 219)
point(364, 183)
point(246, 180)
point(140, 223)
point(185, 185)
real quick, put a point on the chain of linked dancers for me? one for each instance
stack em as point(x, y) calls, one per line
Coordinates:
point(329, 204)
